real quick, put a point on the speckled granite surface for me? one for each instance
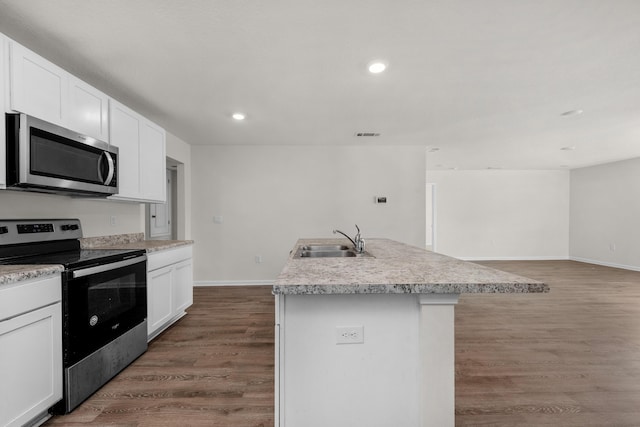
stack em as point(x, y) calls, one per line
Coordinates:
point(116, 239)
point(394, 268)
point(131, 241)
point(15, 273)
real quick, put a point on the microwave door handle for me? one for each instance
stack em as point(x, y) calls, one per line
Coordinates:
point(108, 267)
point(107, 156)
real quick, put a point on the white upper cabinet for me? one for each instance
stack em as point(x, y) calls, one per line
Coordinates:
point(152, 162)
point(44, 90)
point(88, 110)
point(124, 128)
point(38, 87)
point(141, 155)
point(3, 79)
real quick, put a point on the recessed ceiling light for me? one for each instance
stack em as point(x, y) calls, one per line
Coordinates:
point(572, 113)
point(433, 150)
point(376, 67)
point(573, 147)
point(238, 116)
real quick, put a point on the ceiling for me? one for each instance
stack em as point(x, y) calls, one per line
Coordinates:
point(480, 83)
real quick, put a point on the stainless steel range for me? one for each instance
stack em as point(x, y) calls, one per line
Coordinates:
point(104, 300)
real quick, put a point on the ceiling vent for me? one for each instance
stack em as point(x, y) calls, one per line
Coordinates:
point(367, 134)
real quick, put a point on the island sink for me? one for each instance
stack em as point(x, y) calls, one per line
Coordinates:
point(327, 251)
point(325, 248)
point(327, 254)
point(369, 341)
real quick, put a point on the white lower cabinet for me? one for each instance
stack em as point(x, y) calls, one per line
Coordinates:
point(169, 287)
point(30, 350)
point(159, 301)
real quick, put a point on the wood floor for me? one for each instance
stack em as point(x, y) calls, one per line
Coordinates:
point(214, 367)
point(567, 358)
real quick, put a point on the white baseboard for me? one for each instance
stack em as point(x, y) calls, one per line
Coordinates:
point(606, 264)
point(516, 258)
point(233, 283)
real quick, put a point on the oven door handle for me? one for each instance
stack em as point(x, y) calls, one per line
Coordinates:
point(108, 267)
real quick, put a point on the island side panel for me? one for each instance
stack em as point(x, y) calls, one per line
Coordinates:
point(373, 383)
point(437, 359)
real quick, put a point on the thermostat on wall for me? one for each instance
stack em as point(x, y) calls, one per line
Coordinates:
point(380, 199)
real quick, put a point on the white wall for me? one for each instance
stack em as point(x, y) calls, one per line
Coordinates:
point(271, 196)
point(605, 214)
point(502, 214)
point(94, 215)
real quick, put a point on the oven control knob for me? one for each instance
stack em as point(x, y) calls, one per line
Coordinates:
point(93, 321)
point(64, 227)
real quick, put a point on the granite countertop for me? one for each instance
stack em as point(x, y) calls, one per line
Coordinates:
point(15, 273)
point(394, 268)
point(131, 241)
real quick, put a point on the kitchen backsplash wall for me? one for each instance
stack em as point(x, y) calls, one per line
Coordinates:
point(98, 217)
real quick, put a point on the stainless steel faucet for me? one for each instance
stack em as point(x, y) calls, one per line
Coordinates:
point(358, 241)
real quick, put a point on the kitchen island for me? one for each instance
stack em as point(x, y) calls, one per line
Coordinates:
point(369, 340)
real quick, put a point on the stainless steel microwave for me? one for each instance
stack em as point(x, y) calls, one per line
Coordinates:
point(47, 158)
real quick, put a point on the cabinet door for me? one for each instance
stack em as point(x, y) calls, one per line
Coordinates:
point(159, 298)
point(183, 286)
point(30, 364)
point(38, 87)
point(3, 76)
point(88, 110)
point(124, 130)
point(152, 163)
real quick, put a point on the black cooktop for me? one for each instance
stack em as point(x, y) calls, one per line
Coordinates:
point(73, 259)
point(52, 241)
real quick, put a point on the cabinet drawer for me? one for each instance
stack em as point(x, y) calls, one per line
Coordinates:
point(22, 297)
point(161, 259)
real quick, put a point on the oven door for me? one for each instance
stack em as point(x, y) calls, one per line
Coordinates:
point(101, 303)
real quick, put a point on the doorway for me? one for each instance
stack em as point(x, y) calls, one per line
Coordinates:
point(160, 217)
point(430, 209)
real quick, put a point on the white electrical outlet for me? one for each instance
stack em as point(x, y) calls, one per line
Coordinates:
point(258, 259)
point(112, 220)
point(349, 334)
